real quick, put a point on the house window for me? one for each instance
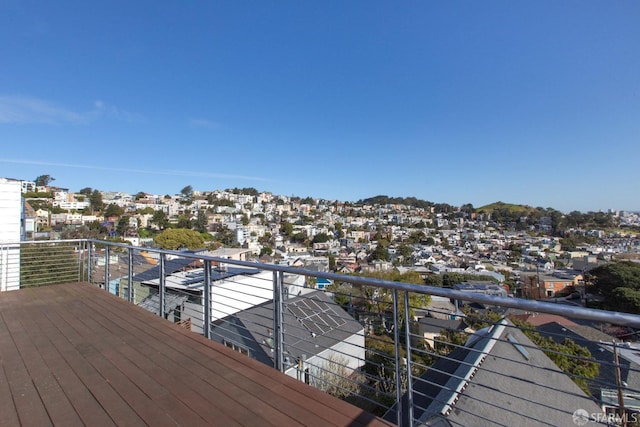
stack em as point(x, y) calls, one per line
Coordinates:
point(237, 348)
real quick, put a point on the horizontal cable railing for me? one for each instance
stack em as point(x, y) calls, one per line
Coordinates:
point(387, 347)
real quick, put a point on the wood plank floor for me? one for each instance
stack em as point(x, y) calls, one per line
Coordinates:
point(75, 355)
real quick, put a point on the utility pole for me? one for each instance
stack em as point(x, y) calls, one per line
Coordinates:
point(619, 384)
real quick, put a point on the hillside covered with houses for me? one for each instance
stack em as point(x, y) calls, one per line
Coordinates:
point(530, 252)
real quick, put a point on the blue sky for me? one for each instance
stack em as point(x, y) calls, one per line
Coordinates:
point(454, 102)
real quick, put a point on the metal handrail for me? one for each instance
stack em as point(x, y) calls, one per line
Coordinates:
point(624, 319)
point(400, 380)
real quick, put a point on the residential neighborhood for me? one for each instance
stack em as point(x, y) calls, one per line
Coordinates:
point(334, 332)
point(530, 256)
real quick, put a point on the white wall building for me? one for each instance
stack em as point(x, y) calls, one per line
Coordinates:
point(10, 225)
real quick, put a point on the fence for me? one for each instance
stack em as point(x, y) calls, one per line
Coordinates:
point(414, 354)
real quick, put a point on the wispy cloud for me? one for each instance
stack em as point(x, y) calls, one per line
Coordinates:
point(25, 109)
point(203, 123)
point(139, 171)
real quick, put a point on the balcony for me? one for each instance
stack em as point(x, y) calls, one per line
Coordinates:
point(99, 333)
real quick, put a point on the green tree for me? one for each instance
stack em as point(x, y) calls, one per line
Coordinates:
point(86, 191)
point(434, 280)
point(146, 211)
point(266, 250)
point(113, 210)
point(96, 201)
point(44, 180)
point(225, 236)
point(123, 225)
point(286, 228)
point(300, 237)
point(608, 277)
point(176, 238)
point(619, 283)
point(187, 191)
point(160, 219)
point(321, 238)
point(416, 237)
point(332, 262)
point(405, 251)
point(183, 222)
point(201, 221)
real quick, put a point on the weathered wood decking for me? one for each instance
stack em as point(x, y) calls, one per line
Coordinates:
point(75, 355)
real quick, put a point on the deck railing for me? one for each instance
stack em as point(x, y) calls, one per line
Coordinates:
point(416, 354)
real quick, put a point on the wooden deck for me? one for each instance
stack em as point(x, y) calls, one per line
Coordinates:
point(75, 355)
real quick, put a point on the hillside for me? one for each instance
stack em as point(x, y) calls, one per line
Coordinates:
point(510, 208)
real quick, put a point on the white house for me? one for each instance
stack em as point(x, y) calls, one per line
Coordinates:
point(233, 289)
point(10, 231)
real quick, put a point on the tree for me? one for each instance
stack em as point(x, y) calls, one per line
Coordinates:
point(123, 225)
point(113, 210)
point(286, 228)
point(187, 191)
point(146, 211)
point(201, 221)
point(379, 253)
point(92, 231)
point(177, 238)
point(266, 250)
point(86, 191)
point(405, 251)
point(336, 378)
point(183, 222)
point(321, 238)
point(96, 201)
point(608, 277)
point(619, 282)
point(44, 180)
point(224, 235)
point(416, 237)
point(300, 237)
point(160, 219)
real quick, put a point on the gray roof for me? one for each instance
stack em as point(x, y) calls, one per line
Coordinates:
point(498, 378)
point(432, 325)
point(312, 323)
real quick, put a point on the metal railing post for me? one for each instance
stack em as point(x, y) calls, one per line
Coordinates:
point(89, 260)
point(80, 261)
point(407, 334)
point(206, 318)
point(130, 282)
point(107, 260)
point(398, 348)
point(278, 330)
point(161, 284)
